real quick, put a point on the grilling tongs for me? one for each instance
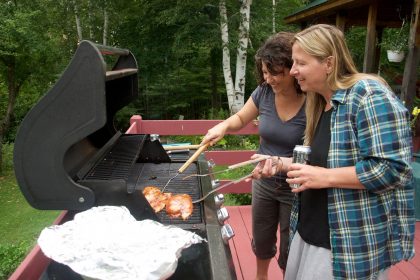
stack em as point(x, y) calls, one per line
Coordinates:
point(222, 186)
point(230, 167)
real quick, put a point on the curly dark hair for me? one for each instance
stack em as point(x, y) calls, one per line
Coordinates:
point(276, 53)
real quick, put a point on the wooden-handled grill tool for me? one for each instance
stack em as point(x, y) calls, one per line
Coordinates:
point(180, 147)
point(187, 163)
point(230, 167)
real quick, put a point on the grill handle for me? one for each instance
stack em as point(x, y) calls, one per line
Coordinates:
point(193, 157)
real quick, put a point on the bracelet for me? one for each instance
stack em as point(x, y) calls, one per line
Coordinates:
point(279, 159)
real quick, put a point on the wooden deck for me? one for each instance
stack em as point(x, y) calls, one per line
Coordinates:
point(244, 260)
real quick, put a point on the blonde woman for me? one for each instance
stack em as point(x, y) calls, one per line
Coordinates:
point(354, 213)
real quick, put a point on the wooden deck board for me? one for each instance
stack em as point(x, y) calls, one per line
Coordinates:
point(244, 259)
point(242, 245)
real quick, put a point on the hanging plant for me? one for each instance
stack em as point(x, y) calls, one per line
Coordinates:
point(395, 42)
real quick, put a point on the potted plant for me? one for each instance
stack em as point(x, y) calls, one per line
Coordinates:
point(395, 42)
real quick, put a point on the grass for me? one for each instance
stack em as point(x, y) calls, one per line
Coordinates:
point(19, 221)
point(20, 224)
point(234, 199)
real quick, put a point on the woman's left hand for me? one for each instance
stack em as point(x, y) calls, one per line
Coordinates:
point(309, 177)
point(265, 168)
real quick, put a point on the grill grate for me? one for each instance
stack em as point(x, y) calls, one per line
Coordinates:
point(158, 174)
point(116, 164)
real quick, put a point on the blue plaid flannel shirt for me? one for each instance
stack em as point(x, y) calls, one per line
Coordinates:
point(370, 229)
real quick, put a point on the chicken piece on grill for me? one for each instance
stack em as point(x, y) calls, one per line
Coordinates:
point(179, 205)
point(156, 198)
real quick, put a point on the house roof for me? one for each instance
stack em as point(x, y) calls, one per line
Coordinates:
point(390, 12)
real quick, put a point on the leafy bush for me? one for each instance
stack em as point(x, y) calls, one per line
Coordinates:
point(10, 257)
point(238, 199)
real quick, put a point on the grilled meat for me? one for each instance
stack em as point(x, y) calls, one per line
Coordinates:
point(179, 205)
point(156, 198)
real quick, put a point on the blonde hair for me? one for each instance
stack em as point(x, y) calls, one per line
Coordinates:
point(322, 41)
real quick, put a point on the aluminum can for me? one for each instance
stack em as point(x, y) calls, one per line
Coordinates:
point(300, 155)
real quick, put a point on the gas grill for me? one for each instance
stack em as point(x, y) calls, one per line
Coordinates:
point(69, 156)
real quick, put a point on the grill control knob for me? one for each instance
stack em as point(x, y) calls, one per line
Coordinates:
point(222, 215)
point(219, 199)
point(211, 164)
point(215, 183)
point(227, 233)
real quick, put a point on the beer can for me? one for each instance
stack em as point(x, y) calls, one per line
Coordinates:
point(300, 155)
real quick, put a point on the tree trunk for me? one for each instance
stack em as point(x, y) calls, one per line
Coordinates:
point(238, 100)
point(226, 55)
point(13, 90)
point(78, 26)
point(274, 16)
point(90, 20)
point(106, 19)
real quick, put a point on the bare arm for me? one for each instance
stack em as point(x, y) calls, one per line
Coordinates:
point(248, 113)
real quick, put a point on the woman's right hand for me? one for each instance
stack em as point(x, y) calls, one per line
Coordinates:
point(214, 134)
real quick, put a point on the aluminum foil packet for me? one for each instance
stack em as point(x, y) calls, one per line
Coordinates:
point(107, 242)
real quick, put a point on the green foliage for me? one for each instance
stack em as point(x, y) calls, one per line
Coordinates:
point(238, 199)
point(396, 39)
point(10, 257)
point(216, 114)
point(176, 43)
point(356, 38)
point(29, 57)
point(232, 198)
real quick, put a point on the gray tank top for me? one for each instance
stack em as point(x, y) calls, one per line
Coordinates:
point(277, 138)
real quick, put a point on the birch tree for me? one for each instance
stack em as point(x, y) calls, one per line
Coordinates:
point(105, 26)
point(90, 15)
point(78, 24)
point(274, 16)
point(235, 92)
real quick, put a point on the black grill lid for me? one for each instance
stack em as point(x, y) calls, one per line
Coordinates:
point(70, 124)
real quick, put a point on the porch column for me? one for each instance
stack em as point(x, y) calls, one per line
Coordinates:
point(408, 87)
point(370, 46)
